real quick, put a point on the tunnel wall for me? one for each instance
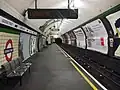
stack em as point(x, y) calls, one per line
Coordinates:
point(17, 39)
point(97, 47)
point(100, 34)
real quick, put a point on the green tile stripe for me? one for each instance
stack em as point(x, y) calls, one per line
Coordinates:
point(12, 31)
point(110, 11)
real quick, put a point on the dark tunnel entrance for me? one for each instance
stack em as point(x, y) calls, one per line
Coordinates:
point(58, 41)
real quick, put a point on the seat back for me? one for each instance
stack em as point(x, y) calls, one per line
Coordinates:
point(13, 65)
point(7, 68)
point(18, 61)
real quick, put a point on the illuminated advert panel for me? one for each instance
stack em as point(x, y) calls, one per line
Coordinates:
point(97, 37)
point(80, 38)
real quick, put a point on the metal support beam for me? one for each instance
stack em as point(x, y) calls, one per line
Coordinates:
point(35, 4)
point(68, 4)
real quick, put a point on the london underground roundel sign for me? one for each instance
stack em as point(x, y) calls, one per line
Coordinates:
point(8, 51)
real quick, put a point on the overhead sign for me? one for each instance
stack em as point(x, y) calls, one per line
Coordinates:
point(52, 13)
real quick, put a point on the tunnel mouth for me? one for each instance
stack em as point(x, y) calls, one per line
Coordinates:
point(58, 41)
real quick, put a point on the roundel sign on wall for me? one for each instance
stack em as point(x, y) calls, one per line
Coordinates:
point(8, 51)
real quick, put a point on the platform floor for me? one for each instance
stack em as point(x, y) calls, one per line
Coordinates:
point(51, 70)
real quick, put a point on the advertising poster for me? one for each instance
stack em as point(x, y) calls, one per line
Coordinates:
point(9, 40)
point(39, 40)
point(97, 37)
point(44, 41)
point(80, 38)
point(32, 45)
point(63, 39)
point(72, 38)
point(28, 45)
point(114, 20)
point(24, 45)
point(68, 38)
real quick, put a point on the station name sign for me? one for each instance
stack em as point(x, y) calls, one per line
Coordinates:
point(52, 13)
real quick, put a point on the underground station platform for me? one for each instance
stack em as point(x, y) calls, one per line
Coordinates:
point(52, 69)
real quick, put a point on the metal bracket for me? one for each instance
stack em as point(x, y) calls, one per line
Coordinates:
point(35, 4)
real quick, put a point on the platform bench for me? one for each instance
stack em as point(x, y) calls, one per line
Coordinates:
point(15, 69)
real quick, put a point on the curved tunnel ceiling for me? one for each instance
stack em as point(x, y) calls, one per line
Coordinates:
point(87, 10)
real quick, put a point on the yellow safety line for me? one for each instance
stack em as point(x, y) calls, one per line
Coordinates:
point(89, 82)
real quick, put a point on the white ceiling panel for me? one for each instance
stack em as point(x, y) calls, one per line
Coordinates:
point(20, 5)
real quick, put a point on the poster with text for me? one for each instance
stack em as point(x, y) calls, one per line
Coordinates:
point(24, 45)
point(72, 38)
point(40, 43)
point(114, 20)
point(68, 38)
point(63, 39)
point(80, 38)
point(97, 37)
point(32, 45)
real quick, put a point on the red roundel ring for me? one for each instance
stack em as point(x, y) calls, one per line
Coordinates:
point(8, 50)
